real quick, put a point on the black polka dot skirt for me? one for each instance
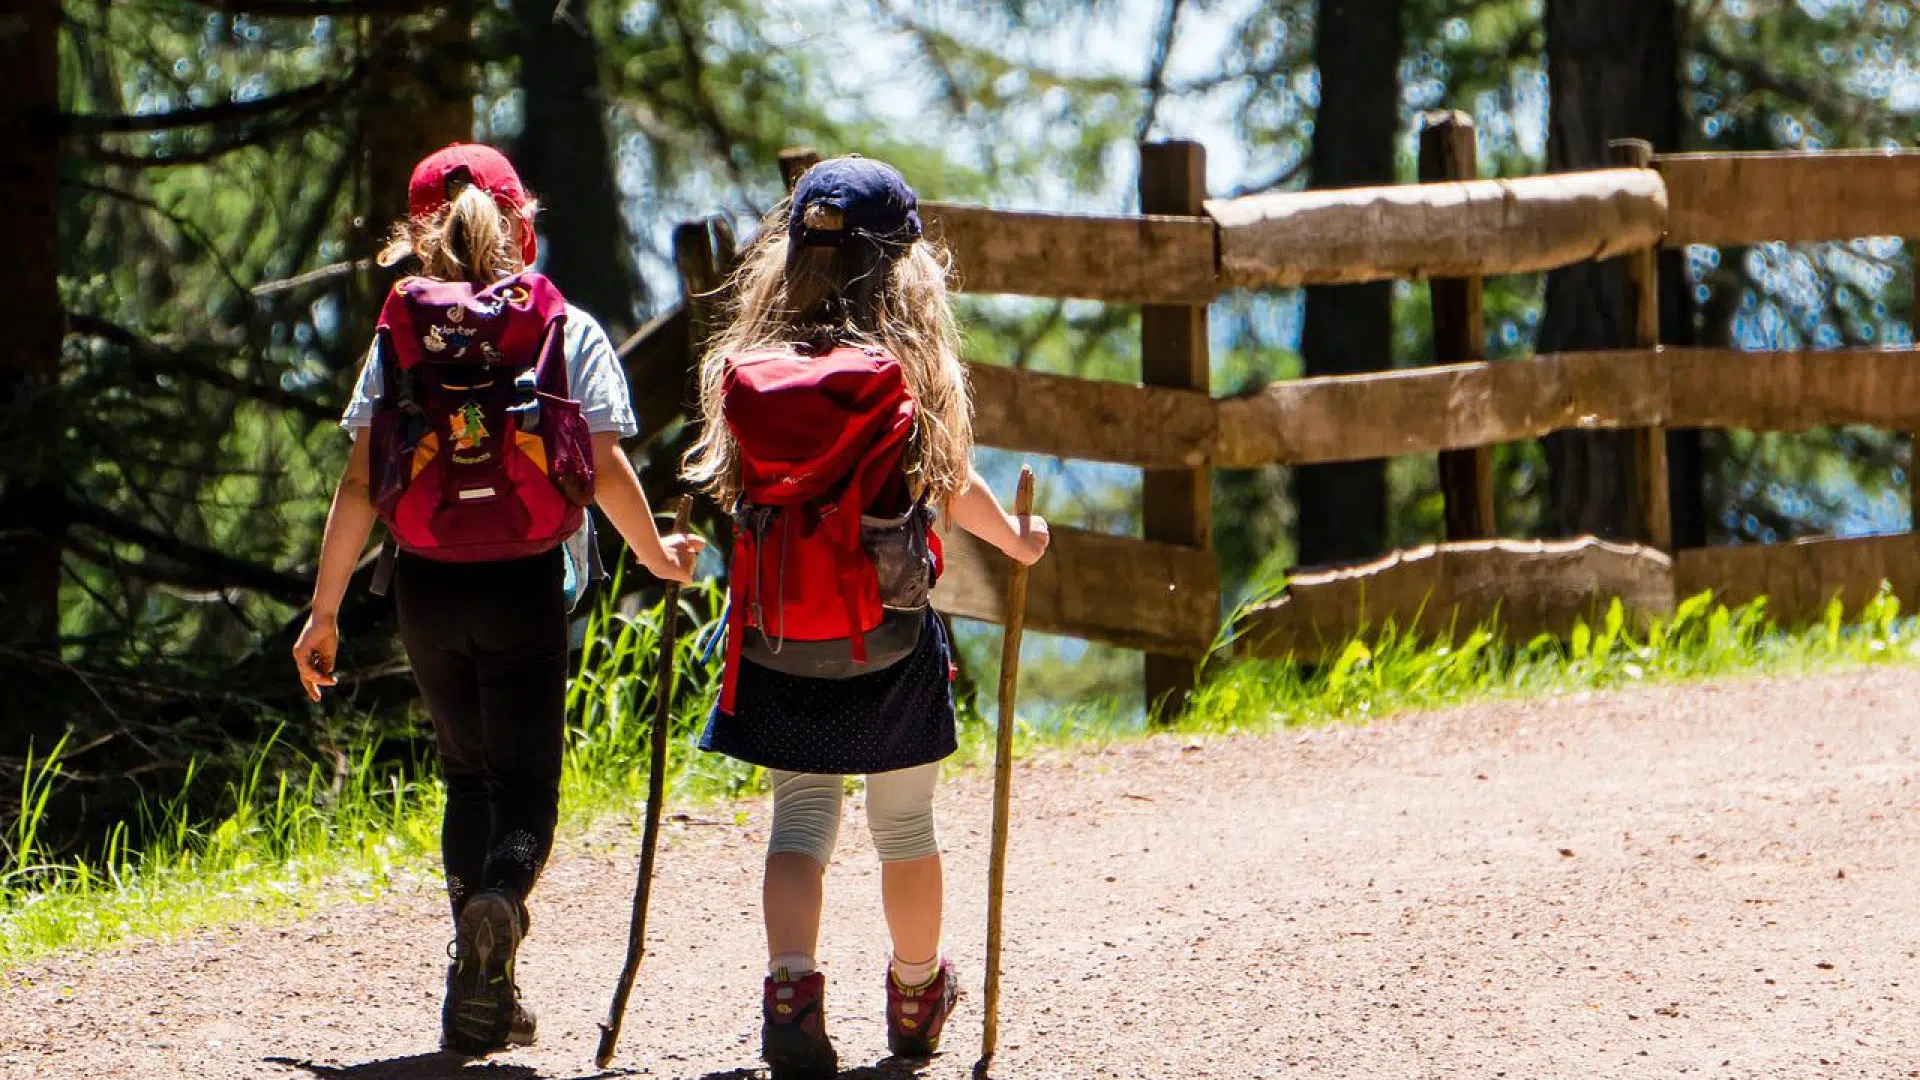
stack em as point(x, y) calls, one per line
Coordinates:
point(885, 720)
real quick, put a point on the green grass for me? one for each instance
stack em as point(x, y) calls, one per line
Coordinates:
point(292, 836)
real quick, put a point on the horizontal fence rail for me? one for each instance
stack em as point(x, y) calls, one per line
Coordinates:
point(1445, 229)
point(1134, 593)
point(1799, 579)
point(1465, 228)
point(1796, 198)
point(1446, 407)
point(1538, 587)
point(1134, 259)
point(1529, 587)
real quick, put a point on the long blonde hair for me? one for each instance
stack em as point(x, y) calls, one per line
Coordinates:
point(470, 239)
point(909, 316)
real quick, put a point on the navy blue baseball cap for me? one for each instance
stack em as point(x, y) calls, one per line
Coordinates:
point(871, 198)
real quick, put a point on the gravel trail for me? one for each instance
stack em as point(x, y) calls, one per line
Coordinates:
point(1717, 880)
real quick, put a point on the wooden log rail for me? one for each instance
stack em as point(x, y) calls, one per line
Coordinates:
point(1454, 229)
point(1163, 598)
point(1796, 198)
point(1447, 229)
point(1533, 588)
point(1528, 588)
point(1140, 259)
point(1446, 407)
point(1801, 578)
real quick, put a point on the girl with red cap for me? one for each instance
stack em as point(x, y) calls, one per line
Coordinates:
point(839, 381)
point(487, 417)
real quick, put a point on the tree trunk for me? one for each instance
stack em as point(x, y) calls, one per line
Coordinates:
point(30, 485)
point(1613, 72)
point(565, 156)
point(1349, 328)
point(419, 99)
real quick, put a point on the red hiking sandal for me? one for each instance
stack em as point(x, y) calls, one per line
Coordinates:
point(915, 1017)
point(793, 1030)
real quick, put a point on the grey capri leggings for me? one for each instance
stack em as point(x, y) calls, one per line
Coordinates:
point(806, 813)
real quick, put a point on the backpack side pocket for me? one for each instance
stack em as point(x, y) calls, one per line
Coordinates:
point(569, 448)
point(902, 556)
point(391, 458)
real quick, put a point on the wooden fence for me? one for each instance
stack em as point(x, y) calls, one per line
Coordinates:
point(1161, 592)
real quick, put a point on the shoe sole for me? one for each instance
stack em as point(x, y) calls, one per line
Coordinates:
point(904, 1047)
point(791, 1055)
point(483, 1022)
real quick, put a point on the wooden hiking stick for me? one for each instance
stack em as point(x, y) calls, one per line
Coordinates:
point(656, 797)
point(1003, 775)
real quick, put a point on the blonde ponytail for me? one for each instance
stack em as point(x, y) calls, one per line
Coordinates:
point(470, 239)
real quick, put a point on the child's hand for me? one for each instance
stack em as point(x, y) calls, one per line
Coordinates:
point(679, 552)
point(314, 653)
point(1031, 542)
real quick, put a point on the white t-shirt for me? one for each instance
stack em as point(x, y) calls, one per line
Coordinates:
point(594, 379)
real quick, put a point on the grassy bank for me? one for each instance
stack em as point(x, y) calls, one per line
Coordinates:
point(292, 836)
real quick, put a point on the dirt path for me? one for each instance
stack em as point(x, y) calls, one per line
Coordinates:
point(1714, 881)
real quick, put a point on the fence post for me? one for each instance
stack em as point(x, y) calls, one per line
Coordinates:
point(1177, 504)
point(795, 160)
point(1653, 513)
point(1912, 244)
point(700, 277)
point(1448, 152)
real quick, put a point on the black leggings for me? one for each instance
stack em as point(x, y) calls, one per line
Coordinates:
point(488, 645)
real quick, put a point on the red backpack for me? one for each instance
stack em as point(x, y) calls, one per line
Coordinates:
point(833, 559)
point(478, 452)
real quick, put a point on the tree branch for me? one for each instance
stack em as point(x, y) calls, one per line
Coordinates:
point(158, 360)
point(225, 112)
point(312, 277)
point(257, 136)
point(1820, 99)
point(1278, 180)
point(319, 8)
point(197, 567)
point(706, 112)
point(1157, 69)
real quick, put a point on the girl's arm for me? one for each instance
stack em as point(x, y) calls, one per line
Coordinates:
point(349, 523)
point(975, 510)
point(617, 489)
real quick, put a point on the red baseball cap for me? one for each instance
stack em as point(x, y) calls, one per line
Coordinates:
point(441, 174)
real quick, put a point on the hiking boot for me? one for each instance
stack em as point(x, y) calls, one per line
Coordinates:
point(793, 1031)
point(482, 1012)
point(524, 1028)
point(917, 1015)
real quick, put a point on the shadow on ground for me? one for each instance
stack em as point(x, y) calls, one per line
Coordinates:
point(884, 1069)
point(437, 1066)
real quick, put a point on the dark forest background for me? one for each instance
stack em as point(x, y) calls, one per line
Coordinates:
point(193, 188)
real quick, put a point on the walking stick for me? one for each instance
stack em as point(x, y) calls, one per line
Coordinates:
point(656, 797)
point(1003, 776)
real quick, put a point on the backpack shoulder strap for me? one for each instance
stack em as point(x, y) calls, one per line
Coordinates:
point(396, 323)
point(550, 372)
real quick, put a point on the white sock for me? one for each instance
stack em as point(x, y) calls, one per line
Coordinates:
point(914, 976)
point(790, 966)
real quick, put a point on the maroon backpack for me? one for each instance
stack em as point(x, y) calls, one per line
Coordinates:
point(479, 454)
point(833, 559)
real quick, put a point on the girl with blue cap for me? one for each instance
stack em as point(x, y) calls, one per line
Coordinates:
point(841, 295)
